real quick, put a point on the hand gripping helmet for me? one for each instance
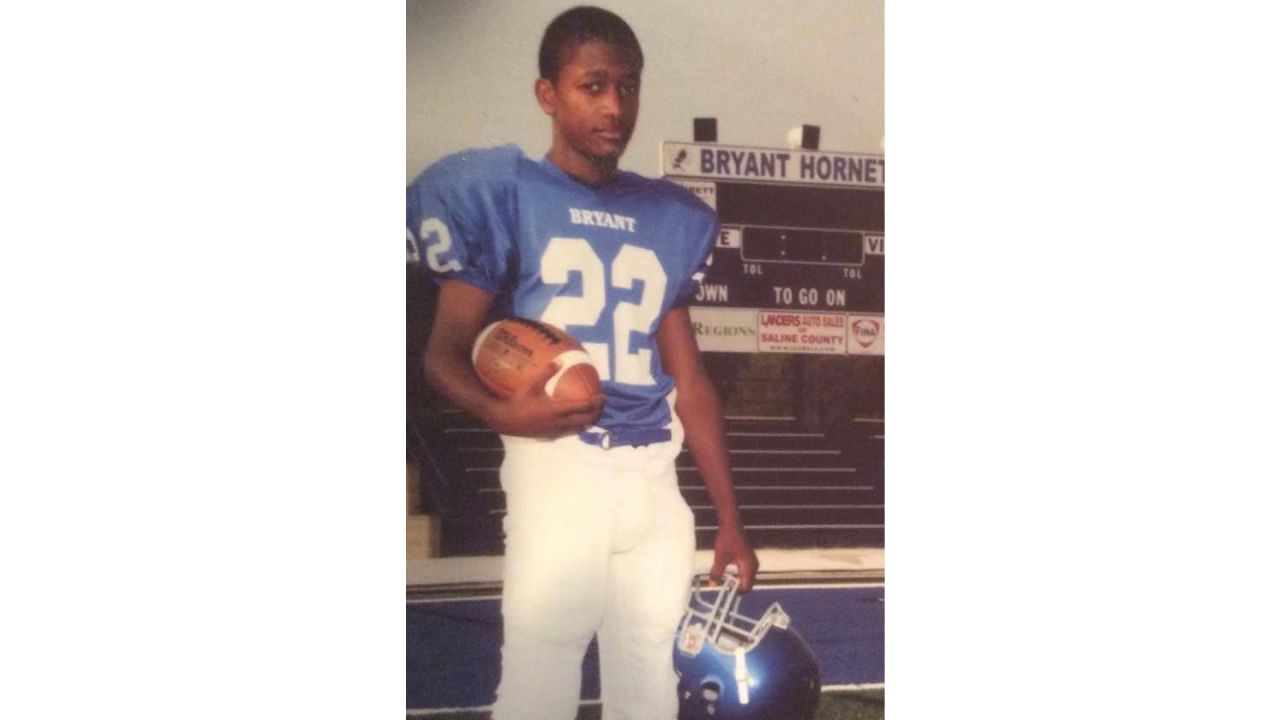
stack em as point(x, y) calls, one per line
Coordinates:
point(732, 667)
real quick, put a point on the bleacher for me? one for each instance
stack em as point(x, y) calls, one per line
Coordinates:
point(796, 488)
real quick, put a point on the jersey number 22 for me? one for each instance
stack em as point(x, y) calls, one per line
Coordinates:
point(633, 264)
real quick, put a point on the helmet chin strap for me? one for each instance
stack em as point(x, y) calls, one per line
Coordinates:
point(740, 674)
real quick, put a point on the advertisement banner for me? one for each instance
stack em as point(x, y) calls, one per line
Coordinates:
point(866, 335)
point(798, 332)
point(748, 330)
point(725, 329)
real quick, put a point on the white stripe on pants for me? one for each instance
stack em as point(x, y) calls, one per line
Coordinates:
point(598, 541)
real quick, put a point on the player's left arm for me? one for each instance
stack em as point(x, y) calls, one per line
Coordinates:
point(699, 409)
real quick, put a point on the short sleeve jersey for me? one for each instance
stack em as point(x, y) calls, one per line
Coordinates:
point(604, 263)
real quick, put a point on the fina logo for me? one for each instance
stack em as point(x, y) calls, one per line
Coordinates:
point(678, 163)
point(865, 332)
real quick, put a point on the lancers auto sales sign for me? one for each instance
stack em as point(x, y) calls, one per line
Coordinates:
point(792, 332)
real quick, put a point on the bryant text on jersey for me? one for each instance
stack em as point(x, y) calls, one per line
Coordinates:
point(602, 219)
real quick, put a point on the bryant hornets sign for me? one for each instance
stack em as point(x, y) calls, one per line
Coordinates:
point(802, 237)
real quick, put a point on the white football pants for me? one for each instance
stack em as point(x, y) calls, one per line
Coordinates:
point(599, 542)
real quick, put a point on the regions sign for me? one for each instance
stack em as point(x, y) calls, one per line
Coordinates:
point(725, 329)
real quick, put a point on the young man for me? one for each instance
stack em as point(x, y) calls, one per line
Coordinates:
point(599, 541)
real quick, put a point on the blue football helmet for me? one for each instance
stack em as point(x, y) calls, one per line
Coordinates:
point(733, 667)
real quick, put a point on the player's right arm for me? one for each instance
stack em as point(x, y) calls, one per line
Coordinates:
point(461, 313)
point(461, 228)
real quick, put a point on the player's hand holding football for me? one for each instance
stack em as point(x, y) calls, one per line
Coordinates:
point(531, 413)
point(732, 548)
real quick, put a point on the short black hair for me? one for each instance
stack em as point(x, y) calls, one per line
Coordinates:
point(581, 25)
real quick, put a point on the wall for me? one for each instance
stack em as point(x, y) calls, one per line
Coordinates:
point(760, 66)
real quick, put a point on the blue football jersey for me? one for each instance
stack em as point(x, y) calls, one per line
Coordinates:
point(604, 263)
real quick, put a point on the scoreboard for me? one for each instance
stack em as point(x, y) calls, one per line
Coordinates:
point(799, 263)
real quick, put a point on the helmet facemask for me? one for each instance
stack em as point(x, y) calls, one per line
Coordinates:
point(734, 667)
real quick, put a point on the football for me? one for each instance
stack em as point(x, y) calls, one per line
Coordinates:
point(510, 355)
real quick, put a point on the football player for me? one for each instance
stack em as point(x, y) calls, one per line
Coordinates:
point(599, 541)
